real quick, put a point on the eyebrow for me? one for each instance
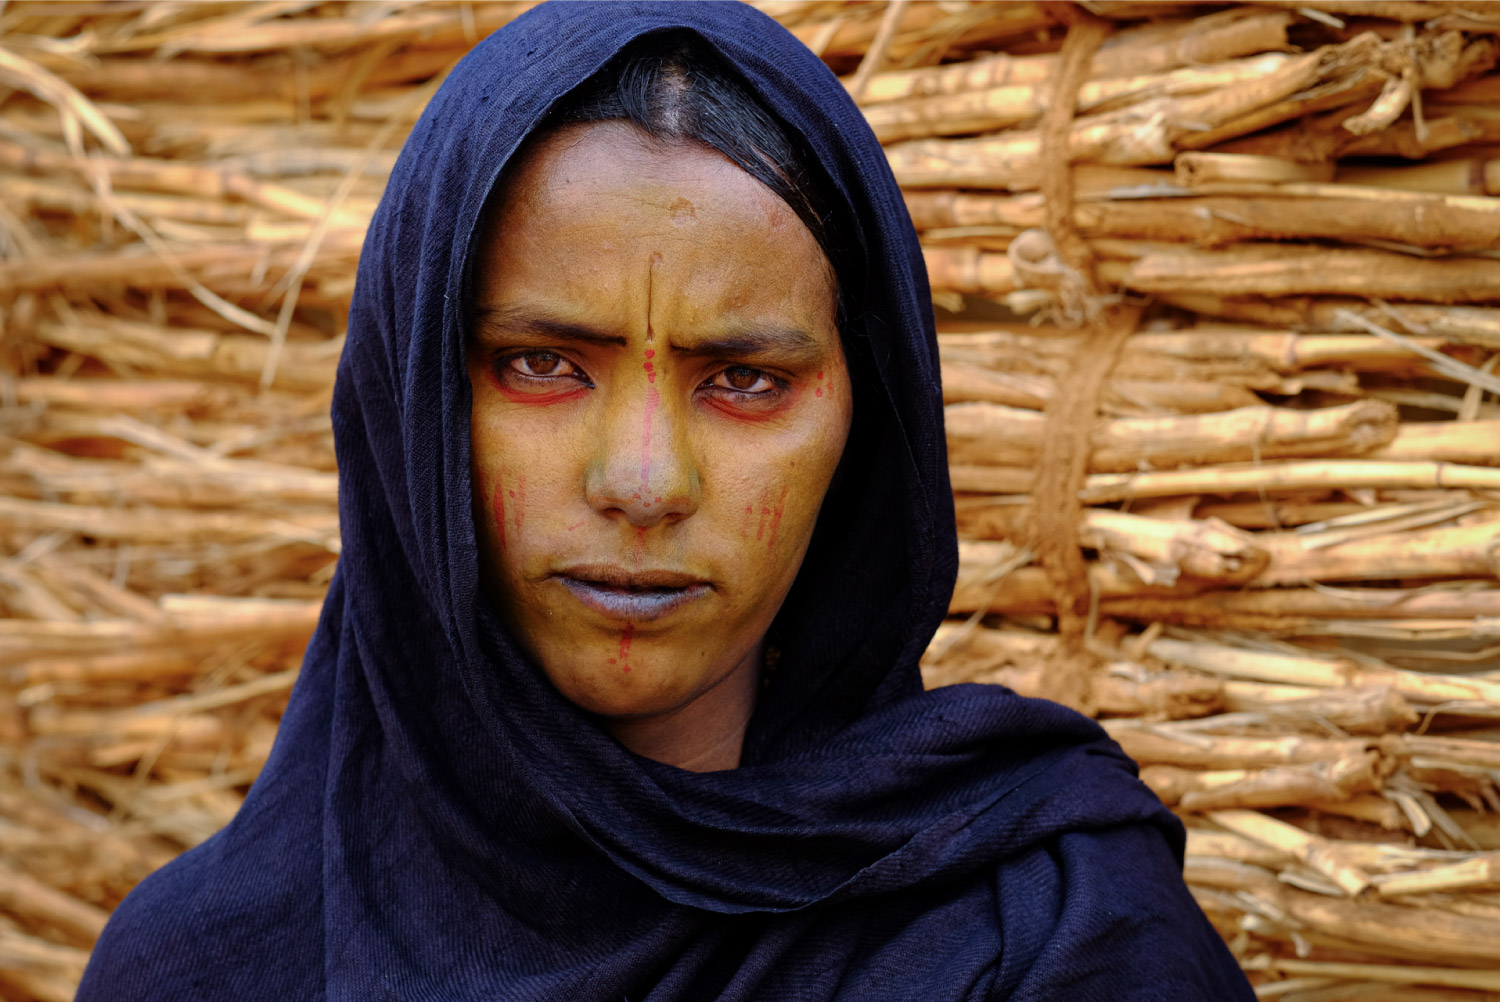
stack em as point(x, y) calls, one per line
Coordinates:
point(492, 320)
point(745, 341)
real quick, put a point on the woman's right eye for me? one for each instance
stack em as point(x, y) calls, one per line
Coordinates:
point(542, 364)
point(539, 374)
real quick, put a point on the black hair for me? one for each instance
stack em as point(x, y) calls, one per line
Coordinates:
point(674, 88)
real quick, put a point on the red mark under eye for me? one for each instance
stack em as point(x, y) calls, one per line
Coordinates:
point(755, 411)
point(543, 398)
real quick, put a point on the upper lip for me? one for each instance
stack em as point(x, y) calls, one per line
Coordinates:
point(618, 577)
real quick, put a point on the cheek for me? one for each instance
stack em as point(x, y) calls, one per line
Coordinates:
point(780, 487)
point(507, 505)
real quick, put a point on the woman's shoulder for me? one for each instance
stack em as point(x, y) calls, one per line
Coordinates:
point(202, 927)
point(1105, 913)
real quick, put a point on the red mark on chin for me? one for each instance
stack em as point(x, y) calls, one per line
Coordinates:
point(745, 522)
point(624, 654)
point(765, 512)
point(499, 506)
point(776, 519)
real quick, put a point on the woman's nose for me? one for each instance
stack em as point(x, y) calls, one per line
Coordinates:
point(643, 466)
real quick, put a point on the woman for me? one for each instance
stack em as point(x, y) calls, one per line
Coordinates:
point(646, 523)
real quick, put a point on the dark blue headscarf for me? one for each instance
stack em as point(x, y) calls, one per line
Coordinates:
point(437, 823)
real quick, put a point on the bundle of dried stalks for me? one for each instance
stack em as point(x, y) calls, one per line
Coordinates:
point(1292, 489)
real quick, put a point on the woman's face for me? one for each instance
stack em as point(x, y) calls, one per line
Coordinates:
point(660, 401)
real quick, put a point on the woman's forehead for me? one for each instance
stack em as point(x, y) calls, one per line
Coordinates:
point(603, 215)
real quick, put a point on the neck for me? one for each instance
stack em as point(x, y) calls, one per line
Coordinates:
point(705, 734)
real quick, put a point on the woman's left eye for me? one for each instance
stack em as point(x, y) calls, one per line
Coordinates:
point(743, 379)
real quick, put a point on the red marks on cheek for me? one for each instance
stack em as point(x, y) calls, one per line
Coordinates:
point(498, 504)
point(770, 517)
point(776, 511)
point(622, 658)
point(576, 525)
point(518, 503)
point(825, 384)
point(516, 396)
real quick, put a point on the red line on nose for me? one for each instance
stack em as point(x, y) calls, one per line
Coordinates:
point(653, 400)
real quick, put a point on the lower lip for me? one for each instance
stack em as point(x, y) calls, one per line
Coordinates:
point(633, 606)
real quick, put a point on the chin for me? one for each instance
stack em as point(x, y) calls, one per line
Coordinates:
point(607, 690)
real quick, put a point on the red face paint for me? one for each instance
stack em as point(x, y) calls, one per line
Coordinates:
point(776, 518)
point(653, 400)
point(520, 500)
point(820, 379)
point(621, 658)
point(640, 544)
point(757, 414)
point(516, 396)
point(576, 525)
point(499, 506)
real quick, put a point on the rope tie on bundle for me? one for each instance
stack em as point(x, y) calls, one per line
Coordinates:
point(1061, 260)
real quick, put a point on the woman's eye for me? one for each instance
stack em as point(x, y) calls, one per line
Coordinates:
point(742, 379)
point(542, 363)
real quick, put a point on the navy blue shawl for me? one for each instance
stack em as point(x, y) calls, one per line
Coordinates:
point(437, 822)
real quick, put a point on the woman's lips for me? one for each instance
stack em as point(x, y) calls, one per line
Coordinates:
point(632, 596)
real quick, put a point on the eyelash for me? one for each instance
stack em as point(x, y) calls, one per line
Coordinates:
point(506, 366)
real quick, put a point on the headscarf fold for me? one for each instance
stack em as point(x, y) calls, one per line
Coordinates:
point(437, 822)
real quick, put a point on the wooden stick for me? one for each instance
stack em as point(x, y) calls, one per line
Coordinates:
point(1403, 974)
point(1011, 161)
point(22, 894)
point(1226, 481)
point(1004, 436)
point(1277, 786)
point(994, 108)
point(1287, 271)
point(1220, 219)
point(1200, 40)
point(1391, 930)
point(1319, 853)
point(1159, 745)
point(1477, 873)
